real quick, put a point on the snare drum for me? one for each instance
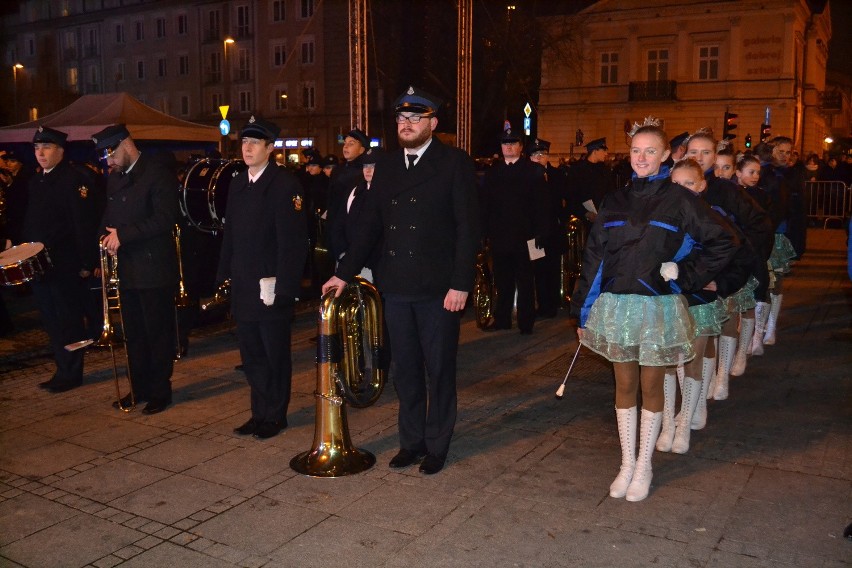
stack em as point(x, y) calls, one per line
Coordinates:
point(204, 195)
point(23, 263)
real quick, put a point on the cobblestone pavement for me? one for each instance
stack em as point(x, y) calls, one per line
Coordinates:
point(766, 483)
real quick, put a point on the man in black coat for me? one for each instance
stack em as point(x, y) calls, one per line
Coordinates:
point(139, 222)
point(61, 214)
point(343, 180)
point(263, 254)
point(589, 180)
point(517, 201)
point(422, 202)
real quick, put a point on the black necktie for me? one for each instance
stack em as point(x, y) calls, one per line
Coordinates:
point(251, 184)
point(411, 159)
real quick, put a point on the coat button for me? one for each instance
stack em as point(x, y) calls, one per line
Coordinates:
point(414, 200)
point(411, 253)
point(392, 252)
point(393, 227)
point(412, 227)
point(394, 201)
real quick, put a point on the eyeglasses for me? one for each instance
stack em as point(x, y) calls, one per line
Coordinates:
point(107, 153)
point(413, 119)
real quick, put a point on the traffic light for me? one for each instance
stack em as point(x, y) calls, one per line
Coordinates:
point(765, 132)
point(730, 125)
point(748, 141)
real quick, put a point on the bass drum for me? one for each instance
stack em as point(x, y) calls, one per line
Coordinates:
point(204, 195)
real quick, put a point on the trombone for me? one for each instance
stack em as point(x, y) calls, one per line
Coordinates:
point(112, 317)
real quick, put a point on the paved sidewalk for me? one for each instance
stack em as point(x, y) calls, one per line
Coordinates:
point(768, 482)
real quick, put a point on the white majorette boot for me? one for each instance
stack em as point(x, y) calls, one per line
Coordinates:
point(690, 393)
point(699, 418)
point(649, 429)
point(726, 356)
point(680, 373)
point(664, 442)
point(761, 314)
point(769, 337)
point(626, 418)
point(740, 359)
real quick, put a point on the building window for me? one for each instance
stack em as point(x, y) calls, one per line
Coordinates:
point(161, 27)
point(184, 105)
point(213, 24)
point(182, 24)
point(243, 21)
point(609, 68)
point(708, 63)
point(71, 79)
point(30, 43)
point(658, 64)
point(245, 101)
point(119, 33)
point(278, 10)
point(216, 100)
point(140, 31)
point(307, 52)
point(183, 65)
point(308, 96)
point(93, 80)
point(279, 55)
point(244, 73)
point(279, 99)
point(215, 70)
point(161, 67)
point(92, 45)
point(307, 8)
point(140, 69)
point(119, 71)
point(69, 45)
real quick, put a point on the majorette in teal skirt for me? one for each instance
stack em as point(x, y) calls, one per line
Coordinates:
point(743, 299)
point(653, 330)
point(782, 253)
point(709, 317)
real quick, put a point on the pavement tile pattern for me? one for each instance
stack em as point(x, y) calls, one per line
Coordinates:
point(768, 482)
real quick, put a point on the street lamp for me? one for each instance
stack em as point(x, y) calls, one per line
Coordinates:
point(15, 69)
point(228, 41)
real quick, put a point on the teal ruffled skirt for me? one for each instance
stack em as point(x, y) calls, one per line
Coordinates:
point(709, 317)
point(782, 253)
point(743, 299)
point(653, 330)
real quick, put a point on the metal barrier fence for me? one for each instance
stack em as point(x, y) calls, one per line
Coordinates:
point(828, 200)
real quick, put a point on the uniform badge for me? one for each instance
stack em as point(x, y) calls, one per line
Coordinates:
point(297, 202)
point(84, 191)
point(252, 120)
point(410, 90)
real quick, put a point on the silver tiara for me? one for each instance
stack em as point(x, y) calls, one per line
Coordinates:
point(649, 121)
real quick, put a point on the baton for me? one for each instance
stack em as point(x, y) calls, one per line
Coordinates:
point(561, 390)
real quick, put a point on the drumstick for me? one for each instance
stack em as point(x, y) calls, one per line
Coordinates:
point(561, 390)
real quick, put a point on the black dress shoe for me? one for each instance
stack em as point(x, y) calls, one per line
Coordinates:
point(126, 402)
point(157, 405)
point(432, 464)
point(494, 327)
point(266, 430)
point(62, 386)
point(248, 428)
point(405, 458)
point(47, 384)
point(239, 368)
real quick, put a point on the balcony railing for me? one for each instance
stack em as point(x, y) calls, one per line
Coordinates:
point(653, 91)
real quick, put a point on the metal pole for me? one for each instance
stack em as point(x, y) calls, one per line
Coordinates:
point(464, 74)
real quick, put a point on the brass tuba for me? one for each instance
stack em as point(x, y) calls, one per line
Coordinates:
point(572, 260)
point(484, 293)
point(112, 318)
point(351, 367)
point(182, 299)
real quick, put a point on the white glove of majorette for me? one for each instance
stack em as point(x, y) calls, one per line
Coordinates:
point(668, 270)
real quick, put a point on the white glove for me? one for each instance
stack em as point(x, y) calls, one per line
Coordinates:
point(267, 290)
point(668, 270)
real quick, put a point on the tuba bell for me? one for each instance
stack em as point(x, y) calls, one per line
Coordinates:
point(113, 318)
point(483, 289)
point(351, 368)
point(571, 263)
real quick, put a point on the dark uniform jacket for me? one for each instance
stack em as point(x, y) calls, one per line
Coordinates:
point(638, 228)
point(429, 221)
point(265, 236)
point(353, 223)
point(343, 180)
point(517, 200)
point(773, 194)
point(588, 181)
point(143, 206)
point(62, 213)
point(742, 210)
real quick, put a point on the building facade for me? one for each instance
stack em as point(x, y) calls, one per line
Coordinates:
point(272, 58)
point(616, 62)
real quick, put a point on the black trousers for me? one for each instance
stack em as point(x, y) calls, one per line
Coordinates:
point(149, 324)
point(424, 338)
point(59, 300)
point(547, 282)
point(511, 270)
point(265, 352)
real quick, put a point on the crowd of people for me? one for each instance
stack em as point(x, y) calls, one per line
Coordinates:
point(682, 273)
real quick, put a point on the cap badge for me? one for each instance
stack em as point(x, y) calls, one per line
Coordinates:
point(41, 128)
point(84, 191)
point(95, 140)
point(251, 120)
point(297, 202)
point(410, 90)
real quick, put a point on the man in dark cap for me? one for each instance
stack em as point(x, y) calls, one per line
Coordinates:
point(263, 254)
point(139, 222)
point(61, 214)
point(344, 178)
point(548, 268)
point(516, 199)
point(315, 190)
point(589, 180)
point(678, 146)
point(329, 163)
point(422, 202)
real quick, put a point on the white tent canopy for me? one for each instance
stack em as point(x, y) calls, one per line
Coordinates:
point(92, 113)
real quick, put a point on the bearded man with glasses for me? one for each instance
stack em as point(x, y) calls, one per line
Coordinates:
point(422, 206)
